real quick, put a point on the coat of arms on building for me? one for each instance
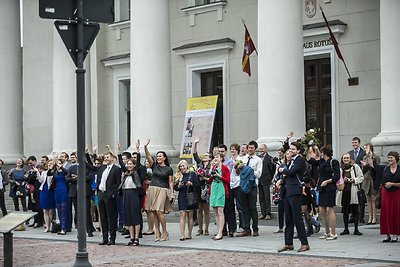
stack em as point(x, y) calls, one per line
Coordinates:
point(311, 8)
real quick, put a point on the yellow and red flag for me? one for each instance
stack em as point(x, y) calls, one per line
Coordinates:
point(249, 48)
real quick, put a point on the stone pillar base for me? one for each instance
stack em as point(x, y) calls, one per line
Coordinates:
point(386, 142)
point(11, 158)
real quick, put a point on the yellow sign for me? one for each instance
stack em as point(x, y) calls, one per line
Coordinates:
point(199, 123)
point(199, 103)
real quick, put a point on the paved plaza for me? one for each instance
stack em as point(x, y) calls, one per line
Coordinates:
point(35, 248)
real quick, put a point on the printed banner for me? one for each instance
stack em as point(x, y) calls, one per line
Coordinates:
point(199, 122)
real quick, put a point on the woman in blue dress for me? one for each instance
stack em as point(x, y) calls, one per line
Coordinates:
point(47, 198)
point(17, 185)
point(185, 181)
point(61, 195)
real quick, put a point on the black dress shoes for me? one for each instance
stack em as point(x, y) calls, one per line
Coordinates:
point(111, 242)
point(104, 242)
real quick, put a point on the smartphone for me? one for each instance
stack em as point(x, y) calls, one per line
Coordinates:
point(172, 200)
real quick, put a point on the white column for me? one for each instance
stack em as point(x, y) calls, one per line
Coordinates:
point(151, 75)
point(64, 98)
point(280, 71)
point(11, 142)
point(389, 137)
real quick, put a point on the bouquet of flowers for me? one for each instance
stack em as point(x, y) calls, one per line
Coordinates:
point(309, 139)
point(200, 172)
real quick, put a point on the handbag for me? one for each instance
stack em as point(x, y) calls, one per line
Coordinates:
point(362, 199)
point(340, 182)
point(192, 201)
point(378, 198)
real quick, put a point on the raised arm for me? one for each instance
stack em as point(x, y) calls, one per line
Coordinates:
point(148, 156)
point(195, 155)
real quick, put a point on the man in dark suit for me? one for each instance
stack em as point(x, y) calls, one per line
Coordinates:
point(71, 181)
point(264, 183)
point(4, 180)
point(357, 154)
point(292, 200)
point(109, 178)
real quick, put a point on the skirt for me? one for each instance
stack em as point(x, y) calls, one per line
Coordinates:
point(157, 200)
point(327, 199)
point(132, 208)
point(390, 212)
point(47, 198)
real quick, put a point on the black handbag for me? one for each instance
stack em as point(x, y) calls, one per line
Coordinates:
point(192, 200)
point(378, 198)
point(362, 199)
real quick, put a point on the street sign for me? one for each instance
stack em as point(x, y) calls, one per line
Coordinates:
point(95, 10)
point(68, 33)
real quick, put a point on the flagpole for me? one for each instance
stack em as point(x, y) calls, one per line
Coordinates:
point(255, 49)
point(327, 24)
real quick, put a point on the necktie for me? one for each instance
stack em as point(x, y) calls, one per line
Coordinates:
point(248, 161)
point(355, 154)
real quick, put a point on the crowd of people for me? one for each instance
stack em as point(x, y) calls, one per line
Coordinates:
point(306, 182)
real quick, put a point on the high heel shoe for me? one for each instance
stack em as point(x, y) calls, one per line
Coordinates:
point(157, 238)
point(47, 230)
point(165, 238)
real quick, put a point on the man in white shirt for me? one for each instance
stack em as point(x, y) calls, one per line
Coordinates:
point(243, 151)
point(235, 184)
point(254, 162)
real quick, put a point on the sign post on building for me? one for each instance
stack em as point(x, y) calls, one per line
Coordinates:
point(78, 34)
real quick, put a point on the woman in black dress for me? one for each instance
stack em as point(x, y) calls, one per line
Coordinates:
point(131, 188)
point(185, 181)
point(329, 174)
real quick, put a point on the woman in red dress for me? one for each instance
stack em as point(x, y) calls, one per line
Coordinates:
point(389, 177)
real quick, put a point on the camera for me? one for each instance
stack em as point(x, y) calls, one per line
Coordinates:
point(213, 172)
point(277, 201)
point(348, 180)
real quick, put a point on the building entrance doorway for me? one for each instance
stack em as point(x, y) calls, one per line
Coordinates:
point(211, 84)
point(317, 86)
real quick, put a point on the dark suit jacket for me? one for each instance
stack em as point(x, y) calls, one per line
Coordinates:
point(113, 180)
point(268, 170)
point(293, 176)
point(72, 184)
point(360, 156)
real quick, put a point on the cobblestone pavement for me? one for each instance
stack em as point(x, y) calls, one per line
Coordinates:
point(45, 253)
point(35, 248)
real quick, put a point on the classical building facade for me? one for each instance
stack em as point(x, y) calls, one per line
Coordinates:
point(142, 68)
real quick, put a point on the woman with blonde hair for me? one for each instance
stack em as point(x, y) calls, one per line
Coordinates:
point(47, 197)
point(348, 198)
point(185, 181)
point(368, 184)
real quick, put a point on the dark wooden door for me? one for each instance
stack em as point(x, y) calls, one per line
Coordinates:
point(211, 84)
point(317, 81)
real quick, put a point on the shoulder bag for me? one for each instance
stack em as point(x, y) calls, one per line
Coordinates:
point(340, 182)
point(192, 201)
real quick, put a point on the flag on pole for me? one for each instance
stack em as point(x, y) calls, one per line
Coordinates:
point(249, 48)
point(335, 43)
